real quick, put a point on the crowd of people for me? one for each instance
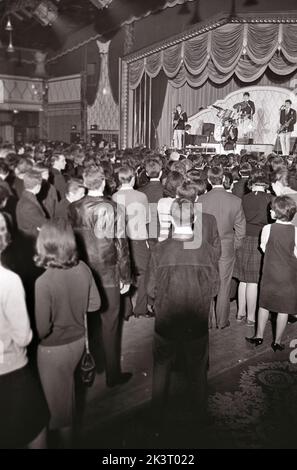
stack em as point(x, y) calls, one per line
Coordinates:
point(125, 233)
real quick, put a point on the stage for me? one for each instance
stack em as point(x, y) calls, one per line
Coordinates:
point(217, 148)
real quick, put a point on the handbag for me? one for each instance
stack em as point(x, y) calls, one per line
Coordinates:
point(87, 365)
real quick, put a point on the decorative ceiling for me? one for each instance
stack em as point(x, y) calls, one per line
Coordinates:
point(45, 24)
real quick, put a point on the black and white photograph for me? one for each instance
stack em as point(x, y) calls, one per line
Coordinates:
point(148, 227)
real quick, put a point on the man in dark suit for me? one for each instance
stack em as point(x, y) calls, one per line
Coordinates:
point(58, 162)
point(229, 135)
point(30, 217)
point(29, 213)
point(287, 121)
point(230, 218)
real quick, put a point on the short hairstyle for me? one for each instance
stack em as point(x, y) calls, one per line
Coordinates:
point(4, 233)
point(187, 191)
point(4, 168)
point(93, 177)
point(284, 208)
point(288, 101)
point(173, 181)
point(56, 157)
point(56, 245)
point(245, 169)
point(200, 185)
point(125, 174)
point(4, 193)
point(182, 212)
point(153, 168)
point(228, 180)
point(24, 165)
point(259, 178)
point(215, 175)
point(32, 178)
point(73, 185)
point(246, 93)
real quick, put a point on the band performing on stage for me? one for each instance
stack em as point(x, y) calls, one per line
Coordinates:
point(234, 125)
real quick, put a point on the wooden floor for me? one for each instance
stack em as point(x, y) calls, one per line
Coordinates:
point(228, 348)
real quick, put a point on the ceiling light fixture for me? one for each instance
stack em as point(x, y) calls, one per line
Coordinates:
point(8, 26)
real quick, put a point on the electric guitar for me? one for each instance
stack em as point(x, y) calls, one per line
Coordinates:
point(176, 121)
point(284, 126)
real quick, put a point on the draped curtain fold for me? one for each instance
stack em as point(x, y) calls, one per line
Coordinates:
point(245, 50)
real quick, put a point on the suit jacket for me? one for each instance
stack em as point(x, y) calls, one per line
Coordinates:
point(240, 188)
point(29, 214)
point(286, 117)
point(179, 120)
point(228, 211)
point(57, 179)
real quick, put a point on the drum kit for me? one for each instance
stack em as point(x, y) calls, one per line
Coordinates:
point(244, 124)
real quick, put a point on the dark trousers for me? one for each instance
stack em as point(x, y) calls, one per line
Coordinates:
point(195, 355)
point(111, 332)
point(140, 255)
point(226, 265)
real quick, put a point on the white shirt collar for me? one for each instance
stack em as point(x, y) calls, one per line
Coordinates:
point(95, 193)
point(183, 231)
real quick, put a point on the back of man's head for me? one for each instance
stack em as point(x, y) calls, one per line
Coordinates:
point(215, 175)
point(125, 174)
point(182, 212)
point(32, 179)
point(93, 177)
point(153, 168)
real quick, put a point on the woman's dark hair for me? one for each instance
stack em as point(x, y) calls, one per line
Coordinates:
point(56, 246)
point(284, 208)
point(4, 233)
point(173, 181)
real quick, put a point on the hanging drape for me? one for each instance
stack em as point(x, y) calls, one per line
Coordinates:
point(243, 49)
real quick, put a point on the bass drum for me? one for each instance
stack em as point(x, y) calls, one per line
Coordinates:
point(246, 127)
point(218, 132)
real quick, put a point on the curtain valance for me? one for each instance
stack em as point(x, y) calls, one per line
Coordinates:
point(244, 49)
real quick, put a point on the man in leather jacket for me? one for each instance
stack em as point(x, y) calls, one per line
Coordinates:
point(99, 224)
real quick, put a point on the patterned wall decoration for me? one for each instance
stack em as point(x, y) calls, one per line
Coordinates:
point(104, 112)
point(21, 93)
point(60, 119)
point(64, 89)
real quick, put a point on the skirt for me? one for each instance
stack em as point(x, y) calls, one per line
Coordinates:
point(248, 264)
point(57, 365)
point(23, 409)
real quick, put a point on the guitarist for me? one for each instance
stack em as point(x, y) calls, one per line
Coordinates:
point(180, 119)
point(287, 122)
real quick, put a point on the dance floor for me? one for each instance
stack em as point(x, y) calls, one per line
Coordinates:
point(252, 392)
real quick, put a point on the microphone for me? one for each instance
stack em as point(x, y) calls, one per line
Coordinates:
point(282, 107)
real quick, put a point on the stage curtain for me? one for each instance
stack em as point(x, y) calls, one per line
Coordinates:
point(245, 50)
